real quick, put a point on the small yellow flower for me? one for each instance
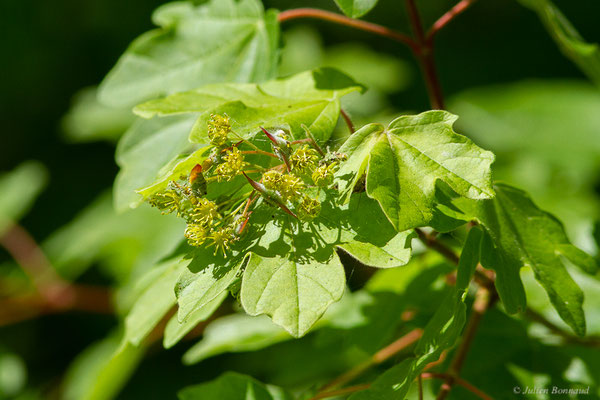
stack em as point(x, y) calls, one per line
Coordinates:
point(233, 163)
point(304, 158)
point(218, 129)
point(204, 212)
point(196, 234)
point(291, 187)
point(221, 239)
point(309, 208)
point(166, 202)
point(323, 174)
point(272, 180)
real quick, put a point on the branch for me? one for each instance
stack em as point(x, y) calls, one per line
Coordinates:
point(347, 120)
point(425, 58)
point(459, 381)
point(590, 341)
point(446, 18)
point(341, 392)
point(378, 358)
point(53, 294)
point(343, 20)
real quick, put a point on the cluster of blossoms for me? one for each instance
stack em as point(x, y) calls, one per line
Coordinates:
point(303, 165)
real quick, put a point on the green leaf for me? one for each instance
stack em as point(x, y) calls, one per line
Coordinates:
point(89, 120)
point(206, 278)
point(101, 370)
point(519, 234)
point(175, 330)
point(235, 333)
point(356, 8)
point(441, 333)
point(233, 386)
point(403, 162)
point(311, 98)
point(294, 293)
point(585, 55)
point(144, 152)
point(222, 40)
point(154, 302)
point(19, 189)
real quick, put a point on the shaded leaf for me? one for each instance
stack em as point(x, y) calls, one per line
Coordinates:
point(441, 333)
point(585, 55)
point(356, 8)
point(101, 370)
point(175, 330)
point(519, 234)
point(223, 40)
point(233, 386)
point(235, 333)
point(19, 189)
point(403, 162)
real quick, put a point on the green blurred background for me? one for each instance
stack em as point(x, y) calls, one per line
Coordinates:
point(500, 70)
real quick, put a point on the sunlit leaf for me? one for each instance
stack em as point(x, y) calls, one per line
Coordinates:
point(223, 40)
point(402, 163)
point(310, 98)
point(294, 293)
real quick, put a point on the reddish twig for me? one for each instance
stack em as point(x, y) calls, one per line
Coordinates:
point(447, 17)
point(348, 120)
point(459, 381)
point(354, 23)
point(341, 392)
point(424, 55)
point(379, 357)
point(53, 293)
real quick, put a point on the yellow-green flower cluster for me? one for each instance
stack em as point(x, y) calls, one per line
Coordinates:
point(309, 208)
point(232, 165)
point(304, 159)
point(218, 129)
point(288, 186)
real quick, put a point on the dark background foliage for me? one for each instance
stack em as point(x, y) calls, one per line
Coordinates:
point(51, 49)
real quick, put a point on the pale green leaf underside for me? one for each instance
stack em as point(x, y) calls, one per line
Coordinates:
point(441, 333)
point(154, 302)
point(403, 162)
point(519, 234)
point(356, 8)
point(294, 293)
point(310, 98)
point(585, 55)
point(223, 40)
point(233, 386)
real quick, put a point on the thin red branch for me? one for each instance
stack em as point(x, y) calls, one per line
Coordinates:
point(341, 392)
point(343, 20)
point(447, 17)
point(348, 120)
point(459, 381)
point(425, 57)
point(53, 293)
